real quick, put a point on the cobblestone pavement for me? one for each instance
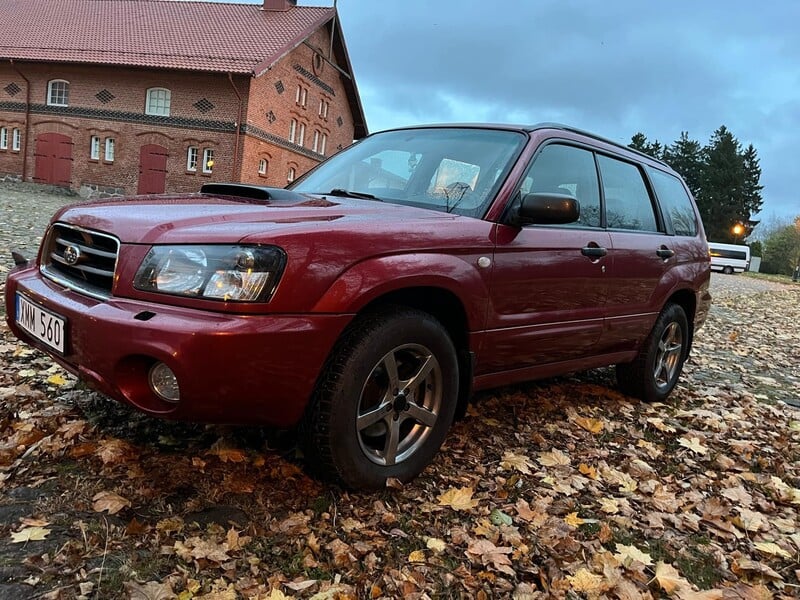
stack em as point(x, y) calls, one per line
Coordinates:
point(25, 210)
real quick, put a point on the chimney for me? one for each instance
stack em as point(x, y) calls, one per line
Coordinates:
point(278, 5)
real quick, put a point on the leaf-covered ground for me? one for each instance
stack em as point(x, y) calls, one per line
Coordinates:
point(562, 489)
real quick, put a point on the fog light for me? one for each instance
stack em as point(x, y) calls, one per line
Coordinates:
point(164, 383)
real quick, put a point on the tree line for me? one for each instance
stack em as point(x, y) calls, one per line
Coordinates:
point(723, 176)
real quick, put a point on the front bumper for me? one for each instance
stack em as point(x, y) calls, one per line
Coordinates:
point(237, 369)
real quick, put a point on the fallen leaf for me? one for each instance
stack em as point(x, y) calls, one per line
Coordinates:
point(520, 462)
point(152, 590)
point(435, 544)
point(573, 520)
point(458, 499)
point(772, 549)
point(556, 458)
point(669, 579)
point(589, 424)
point(110, 502)
point(587, 582)
point(693, 444)
point(628, 554)
point(29, 534)
point(417, 556)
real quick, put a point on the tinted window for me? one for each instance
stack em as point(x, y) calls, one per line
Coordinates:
point(628, 204)
point(567, 170)
point(734, 254)
point(676, 206)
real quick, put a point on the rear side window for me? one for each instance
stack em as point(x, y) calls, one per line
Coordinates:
point(567, 170)
point(676, 206)
point(628, 203)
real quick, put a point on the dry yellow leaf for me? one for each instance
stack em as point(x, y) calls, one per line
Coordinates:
point(772, 549)
point(56, 380)
point(276, 594)
point(573, 519)
point(659, 424)
point(589, 424)
point(587, 582)
point(609, 505)
point(556, 458)
point(694, 444)
point(669, 579)
point(417, 556)
point(520, 462)
point(29, 534)
point(436, 545)
point(588, 470)
point(110, 502)
point(627, 554)
point(458, 499)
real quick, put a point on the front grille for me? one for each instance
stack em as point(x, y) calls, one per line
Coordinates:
point(80, 259)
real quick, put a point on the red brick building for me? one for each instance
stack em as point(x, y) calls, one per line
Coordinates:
point(146, 96)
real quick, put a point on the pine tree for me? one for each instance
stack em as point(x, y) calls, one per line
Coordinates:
point(752, 182)
point(639, 142)
point(721, 201)
point(686, 157)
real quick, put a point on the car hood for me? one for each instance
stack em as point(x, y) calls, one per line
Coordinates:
point(226, 219)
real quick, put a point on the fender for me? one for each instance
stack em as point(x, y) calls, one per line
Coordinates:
point(375, 277)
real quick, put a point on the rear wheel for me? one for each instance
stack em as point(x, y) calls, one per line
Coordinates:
point(728, 270)
point(385, 401)
point(652, 376)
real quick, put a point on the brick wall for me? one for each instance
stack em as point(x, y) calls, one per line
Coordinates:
point(109, 104)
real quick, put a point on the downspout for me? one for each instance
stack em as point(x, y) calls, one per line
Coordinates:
point(238, 130)
point(27, 119)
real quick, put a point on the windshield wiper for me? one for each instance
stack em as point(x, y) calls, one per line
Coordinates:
point(351, 194)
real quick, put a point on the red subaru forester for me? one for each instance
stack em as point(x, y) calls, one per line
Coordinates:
point(366, 302)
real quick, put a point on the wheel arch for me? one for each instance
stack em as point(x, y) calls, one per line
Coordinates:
point(687, 300)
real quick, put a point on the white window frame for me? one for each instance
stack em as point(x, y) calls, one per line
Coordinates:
point(323, 143)
point(94, 147)
point(63, 92)
point(3, 138)
point(192, 154)
point(292, 174)
point(292, 130)
point(108, 155)
point(315, 143)
point(208, 157)
point(301, 96)
point(16, 139)
point(323, 109)
point(263, 165)
point(301, 135)
point(158, 102)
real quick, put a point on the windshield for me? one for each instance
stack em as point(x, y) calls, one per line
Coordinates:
point(454, 170)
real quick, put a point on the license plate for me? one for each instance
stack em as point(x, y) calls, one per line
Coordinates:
point(45, 326)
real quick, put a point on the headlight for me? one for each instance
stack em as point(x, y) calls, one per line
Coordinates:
point(230, 273)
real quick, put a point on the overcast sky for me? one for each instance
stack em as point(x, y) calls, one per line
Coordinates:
point(612, 67)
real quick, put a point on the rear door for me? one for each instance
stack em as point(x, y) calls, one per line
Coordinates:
point(548, 291)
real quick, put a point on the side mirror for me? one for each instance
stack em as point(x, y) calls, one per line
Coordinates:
point(548, 208)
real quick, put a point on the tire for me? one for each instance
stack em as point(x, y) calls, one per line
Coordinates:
point(366, 424)
point(728, 270)
point(652, 376)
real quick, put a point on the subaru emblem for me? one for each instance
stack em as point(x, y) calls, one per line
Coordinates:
point(71, 254)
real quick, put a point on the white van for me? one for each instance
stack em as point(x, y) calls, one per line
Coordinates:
point(729, 258)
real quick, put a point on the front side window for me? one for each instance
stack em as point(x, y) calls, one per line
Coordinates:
point(3, 138)
point(94, 148)
point(560, 169)
point(676, 206)
point(109, 157)
point(158, 102)
point(628, 203)
point(208, 160)
point(58, 92)
point(16, 140)
point(191, 158)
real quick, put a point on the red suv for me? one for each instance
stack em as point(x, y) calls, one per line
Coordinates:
point(368, 301)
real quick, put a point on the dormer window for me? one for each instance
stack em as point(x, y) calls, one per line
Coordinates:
point(158, 102)
point(58, 92)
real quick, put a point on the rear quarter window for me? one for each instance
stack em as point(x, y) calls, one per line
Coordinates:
point(676, 206)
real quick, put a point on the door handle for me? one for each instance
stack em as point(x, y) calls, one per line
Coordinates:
point(594, 251)
point(665, 252)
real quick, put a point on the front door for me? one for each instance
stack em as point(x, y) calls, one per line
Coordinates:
point(152, 169)
point(53, 154)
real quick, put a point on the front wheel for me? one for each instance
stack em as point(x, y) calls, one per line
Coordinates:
point(385, 401)
point(654, 373)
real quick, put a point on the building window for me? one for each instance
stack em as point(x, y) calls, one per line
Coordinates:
point(315, 143)
point(262, 166)
point(323, 142)
point(94, 148)
point(58, 92)
point(301, 97)
point(301, 134)
point(158, 102)
point(208, 160)
point(292, 130)
point(3, 138)
point(16, 140)
point(323, 109)
point(109, 157)
point(290, 177)
point(191, 158)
